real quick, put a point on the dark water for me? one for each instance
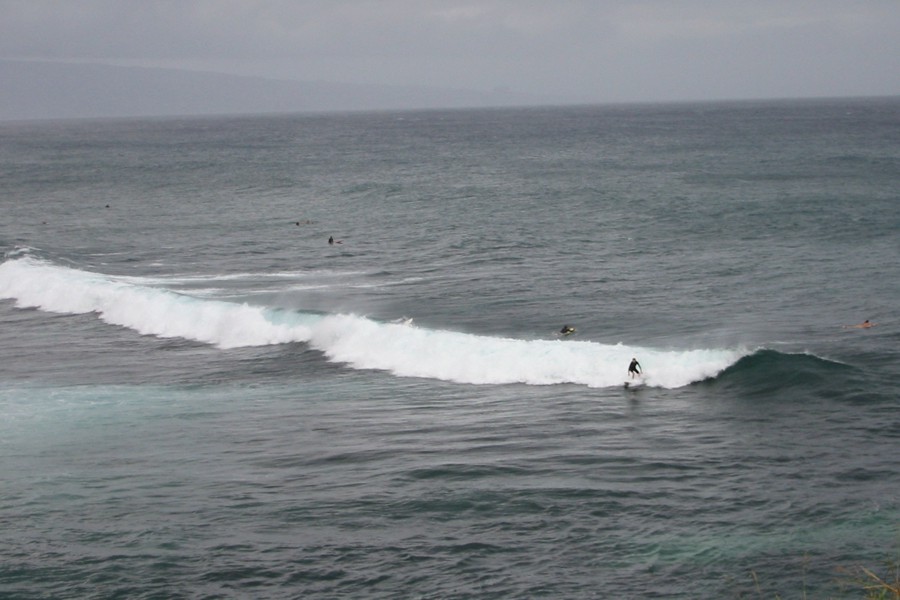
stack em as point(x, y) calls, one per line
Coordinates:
point(202, 398)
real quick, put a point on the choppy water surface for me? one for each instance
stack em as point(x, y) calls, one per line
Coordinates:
point(202, 398)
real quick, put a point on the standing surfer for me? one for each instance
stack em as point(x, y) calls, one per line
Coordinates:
point(634, 369)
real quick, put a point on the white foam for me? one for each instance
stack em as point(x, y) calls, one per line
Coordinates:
point(37, 284)
point(18, 251)
point(400, 348)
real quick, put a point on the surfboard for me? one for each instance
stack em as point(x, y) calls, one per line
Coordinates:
point(631, 384)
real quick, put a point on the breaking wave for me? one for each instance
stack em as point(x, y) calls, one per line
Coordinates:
point(360, 342)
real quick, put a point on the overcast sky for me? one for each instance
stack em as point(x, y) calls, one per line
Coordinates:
point(574, 50)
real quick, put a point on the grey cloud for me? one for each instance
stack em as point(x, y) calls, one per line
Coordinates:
point(585, 50)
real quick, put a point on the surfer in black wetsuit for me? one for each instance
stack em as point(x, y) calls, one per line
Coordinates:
point(567, 330)
point(331, 240)
point(634, 369)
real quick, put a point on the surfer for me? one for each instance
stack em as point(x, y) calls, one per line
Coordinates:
point(331, 240)
point(634, 369)
point(864, 325)
point(567, 330)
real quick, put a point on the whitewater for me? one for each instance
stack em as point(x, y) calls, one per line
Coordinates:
point(403, 348)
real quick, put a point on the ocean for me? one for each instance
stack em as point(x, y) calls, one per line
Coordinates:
point(202, 397)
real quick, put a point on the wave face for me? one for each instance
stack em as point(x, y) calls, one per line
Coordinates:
point(766, 372)
point(403, 349)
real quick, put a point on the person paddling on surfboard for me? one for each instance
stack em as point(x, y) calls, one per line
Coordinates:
point(864, 325)
point(634, 369)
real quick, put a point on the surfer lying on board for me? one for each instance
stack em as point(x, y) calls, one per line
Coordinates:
point(566, 330)
point(864, 325)
point(634, 369)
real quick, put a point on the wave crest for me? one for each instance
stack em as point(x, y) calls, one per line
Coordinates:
point(767, 371)
point(359, 342)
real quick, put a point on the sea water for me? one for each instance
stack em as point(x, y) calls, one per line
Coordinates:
point(203, 398)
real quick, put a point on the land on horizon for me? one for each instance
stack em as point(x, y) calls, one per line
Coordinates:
point(34, 90)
